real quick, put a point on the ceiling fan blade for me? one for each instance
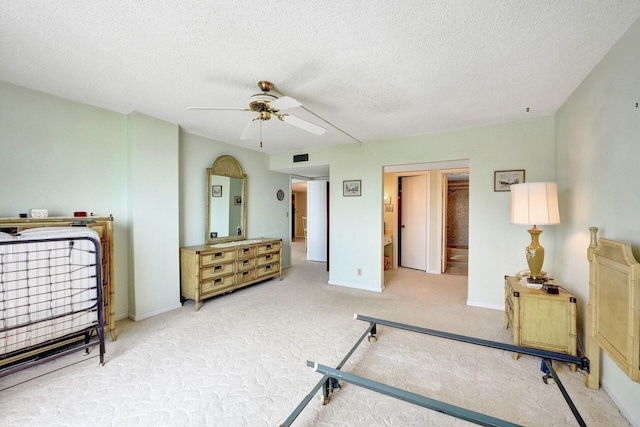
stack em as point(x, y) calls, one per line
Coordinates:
point(218, 108)
point(284, 103)
point(251, 130)
point(303, 124)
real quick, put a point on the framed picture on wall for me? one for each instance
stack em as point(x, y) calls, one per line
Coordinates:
point(216, 191)
point(502, 180)
point(352, 188)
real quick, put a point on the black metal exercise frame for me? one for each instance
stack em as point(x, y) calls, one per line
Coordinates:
point(65, 349)
point(329, 373)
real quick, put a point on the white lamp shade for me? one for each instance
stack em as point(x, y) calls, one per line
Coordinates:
point(534, 203)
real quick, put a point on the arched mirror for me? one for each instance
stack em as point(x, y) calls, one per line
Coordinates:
point(226, 201)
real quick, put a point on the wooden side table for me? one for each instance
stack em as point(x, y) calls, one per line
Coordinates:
point(540, 320)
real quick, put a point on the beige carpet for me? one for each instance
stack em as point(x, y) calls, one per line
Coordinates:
point(241, 361)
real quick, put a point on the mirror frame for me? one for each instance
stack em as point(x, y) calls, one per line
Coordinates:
point(226, 166)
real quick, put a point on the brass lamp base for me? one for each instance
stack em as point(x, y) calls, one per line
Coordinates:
point(535, 253)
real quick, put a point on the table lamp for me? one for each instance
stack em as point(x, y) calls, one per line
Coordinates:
point(535, 203)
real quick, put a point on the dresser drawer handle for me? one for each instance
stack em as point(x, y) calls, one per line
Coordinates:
point(268, 267)
point(217, 268)
point(268, 256)
point(269, 246)
point(246, 262)
point(246, 250)
point(244, 273)
point(217, 255)
point(218, 280)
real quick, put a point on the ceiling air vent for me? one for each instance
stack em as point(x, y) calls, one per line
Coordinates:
point(300, 158)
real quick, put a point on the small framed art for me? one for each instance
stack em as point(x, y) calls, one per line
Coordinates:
point(352, 188)
point(502, 180)
point(216, 191)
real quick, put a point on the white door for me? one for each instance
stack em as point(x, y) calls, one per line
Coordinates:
point(317, 221)
point(413, 226)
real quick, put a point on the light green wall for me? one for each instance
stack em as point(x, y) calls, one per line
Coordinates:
point(496, 246)
point(266, 215)
point(65, 156)
point(598, 154)
point(152, 190)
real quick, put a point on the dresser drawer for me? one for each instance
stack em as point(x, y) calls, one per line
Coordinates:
point(210, 258)
point(268, 269)
point(264, 248)
point(268, 258)
point(245, 253)
point(216, 270)
point(246, 264)
point(218, 284)
point(245, 276)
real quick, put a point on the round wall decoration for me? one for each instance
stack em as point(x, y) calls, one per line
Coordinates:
point(280, 195)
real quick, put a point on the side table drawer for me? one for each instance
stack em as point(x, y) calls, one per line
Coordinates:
point(545, 324)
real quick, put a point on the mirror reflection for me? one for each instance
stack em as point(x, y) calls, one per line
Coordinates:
point(226, 204)
point(226, 207)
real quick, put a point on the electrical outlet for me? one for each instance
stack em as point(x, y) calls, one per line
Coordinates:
point(359, 272)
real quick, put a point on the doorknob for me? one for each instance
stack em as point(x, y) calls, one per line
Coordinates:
point(402, 226)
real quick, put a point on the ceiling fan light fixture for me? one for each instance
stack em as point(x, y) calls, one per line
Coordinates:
point(260, 102)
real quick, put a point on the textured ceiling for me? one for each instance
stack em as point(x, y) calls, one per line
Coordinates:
point(376, 69)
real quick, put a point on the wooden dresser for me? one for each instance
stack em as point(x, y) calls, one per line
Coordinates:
point(104, 227)
point(540, 320)
point(210, 270)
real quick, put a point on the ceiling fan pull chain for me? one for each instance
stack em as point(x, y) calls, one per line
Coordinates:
point(260, 133)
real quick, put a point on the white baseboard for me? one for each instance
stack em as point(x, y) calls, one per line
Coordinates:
point(154, 312)
point(483, 305)
point(351, 285)
point(122, 316)
point(621, 405)
point(620, 389)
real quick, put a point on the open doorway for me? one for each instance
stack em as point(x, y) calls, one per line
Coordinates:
point(310, 217)
point(456, 222)
point(432, 246)
point(298, 209)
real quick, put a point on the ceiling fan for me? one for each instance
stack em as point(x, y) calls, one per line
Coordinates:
point(268, 105)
